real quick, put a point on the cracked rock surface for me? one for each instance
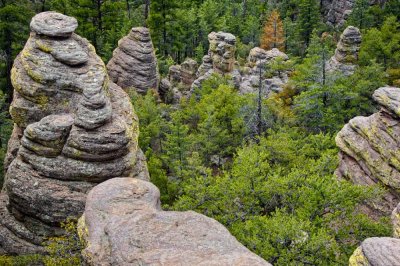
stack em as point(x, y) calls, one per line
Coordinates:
point(369, 149)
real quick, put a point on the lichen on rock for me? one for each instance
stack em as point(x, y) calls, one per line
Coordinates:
point(369, 149)
point(346, 53)
point(73, 129)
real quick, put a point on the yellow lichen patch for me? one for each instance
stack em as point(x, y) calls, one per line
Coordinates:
point(396, 225)
point(358, 258)
point(14, 79)
point(18, 116)
point(42, 101)
point(43, 47)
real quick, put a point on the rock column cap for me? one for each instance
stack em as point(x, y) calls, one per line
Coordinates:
point(53, 24)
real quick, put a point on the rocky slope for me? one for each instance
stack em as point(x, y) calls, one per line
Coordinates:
point(134, 63)
point(346, 53)
point(123, 224)
point(369, 149)
point(73, 129)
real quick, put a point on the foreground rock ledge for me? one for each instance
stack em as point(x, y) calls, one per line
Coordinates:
point(123, 224)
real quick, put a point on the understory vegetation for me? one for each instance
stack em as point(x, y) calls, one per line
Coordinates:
point(275, 191)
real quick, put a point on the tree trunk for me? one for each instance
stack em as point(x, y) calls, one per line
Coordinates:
point(9, 61)
point(146, 11)
point(128, 9)
point(259, 106)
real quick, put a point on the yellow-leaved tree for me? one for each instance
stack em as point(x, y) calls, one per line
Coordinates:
point(272, 35)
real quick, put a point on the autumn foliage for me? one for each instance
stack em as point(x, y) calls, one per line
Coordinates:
point(272, 34)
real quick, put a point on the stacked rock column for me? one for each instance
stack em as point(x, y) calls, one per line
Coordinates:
point(73, 129)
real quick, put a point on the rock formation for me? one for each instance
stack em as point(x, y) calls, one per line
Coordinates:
point(178, 82)
point(73, 129)
point(220, 59)
point(379, 251)
point(346, 53)
point(123, 224)
point(369, 149)
point(337, 11)
point(134, 63)
point(258, 63)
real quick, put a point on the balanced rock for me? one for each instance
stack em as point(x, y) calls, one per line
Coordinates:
point(123, 224)
point(369, 149)
point(134, 63)
point(72, 129)
point(346, 53)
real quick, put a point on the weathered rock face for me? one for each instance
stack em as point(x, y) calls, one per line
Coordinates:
point(73, 128)
point(178, 82)
point(220, 59)
point(258, 63)
point(188, 73)
point(370, 149)
point(134, 63)
point(346, 53)
point(123, 224)
point(377, 251)
point(337, 11)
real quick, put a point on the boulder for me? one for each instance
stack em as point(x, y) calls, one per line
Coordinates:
point(73, 128)
point(134, 63)
point(377, 251)
point(346, 53)
point(369, 149)
point(123, 224)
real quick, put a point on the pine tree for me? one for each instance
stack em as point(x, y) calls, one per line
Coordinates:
point(308, 19)
point(273, 34)
point(161, 19)
point(14, 30)
point(359, 16)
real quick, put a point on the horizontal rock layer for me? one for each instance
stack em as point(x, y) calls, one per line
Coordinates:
point(134, 64)
point(73, 129)
point(369, 149)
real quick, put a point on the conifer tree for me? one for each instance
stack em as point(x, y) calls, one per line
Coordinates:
point(14, 30)
point(308, 19)
point(273, 34)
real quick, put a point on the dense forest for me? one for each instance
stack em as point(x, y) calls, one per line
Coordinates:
point(264, 168)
